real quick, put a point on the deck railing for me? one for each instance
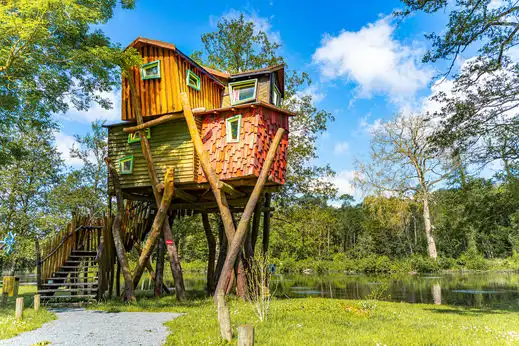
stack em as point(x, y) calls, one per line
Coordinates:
point(81, 234)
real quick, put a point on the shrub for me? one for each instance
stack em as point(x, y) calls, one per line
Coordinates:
point(423, 264)
point(375, 264)
point(472, 260)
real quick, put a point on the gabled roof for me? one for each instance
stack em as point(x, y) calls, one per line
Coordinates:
point(141, 41)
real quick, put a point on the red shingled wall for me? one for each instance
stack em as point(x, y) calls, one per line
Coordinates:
point(245, 158)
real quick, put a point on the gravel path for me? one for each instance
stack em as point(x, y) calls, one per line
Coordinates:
point(87, 327)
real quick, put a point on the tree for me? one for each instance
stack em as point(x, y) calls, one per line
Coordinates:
point(238, 45)
point(481, 114)
point(26, 184)
point(51, 57)
point(403, 163)
point(91, 151)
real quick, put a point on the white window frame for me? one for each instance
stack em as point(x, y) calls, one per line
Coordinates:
point(228, 127)
point(242, 84)
point(276, 92)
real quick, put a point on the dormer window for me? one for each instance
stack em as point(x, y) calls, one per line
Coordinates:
point(151, 70)
point(192, 80)
point(276, 96)
point(243, 92)
point(232, 127)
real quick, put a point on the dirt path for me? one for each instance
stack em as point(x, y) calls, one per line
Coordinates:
point(77, 327)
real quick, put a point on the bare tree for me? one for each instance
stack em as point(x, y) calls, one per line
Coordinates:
point(403, 162)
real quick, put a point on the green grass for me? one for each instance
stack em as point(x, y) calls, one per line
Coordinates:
point(9, 327)
point(315, 321)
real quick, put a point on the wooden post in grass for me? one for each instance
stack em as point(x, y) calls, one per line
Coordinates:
point(36, 302)
point(224, 317)
point(246, 335)
point(19, 309)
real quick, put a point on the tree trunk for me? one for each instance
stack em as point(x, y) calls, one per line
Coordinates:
point(431, 244)
point(211, 244)
point(222, 251)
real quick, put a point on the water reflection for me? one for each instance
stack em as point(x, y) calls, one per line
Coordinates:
point(492, 290)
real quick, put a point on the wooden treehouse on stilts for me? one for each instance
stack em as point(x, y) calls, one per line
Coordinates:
point(192, 140)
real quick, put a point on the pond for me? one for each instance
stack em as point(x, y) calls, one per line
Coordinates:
point(482, 290)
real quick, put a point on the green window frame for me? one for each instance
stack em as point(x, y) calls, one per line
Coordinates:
point(276, 96)
point(192, 80)
point(151, 70)
point(123, 167)
point(135, 137)
point(233, 128)
point(236, 87)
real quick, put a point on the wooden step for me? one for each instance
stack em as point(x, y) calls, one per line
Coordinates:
point(83, 253)
point(72, 272)
point(75, 267)
point(73, 284)
point(57, 290)
point(79, 296)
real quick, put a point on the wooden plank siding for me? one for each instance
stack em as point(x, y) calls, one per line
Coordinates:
point(162, 96)
point(171, 146)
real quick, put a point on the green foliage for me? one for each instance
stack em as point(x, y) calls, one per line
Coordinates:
point(52, 56)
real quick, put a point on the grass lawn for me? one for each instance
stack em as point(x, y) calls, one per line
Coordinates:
point(317, 321)
point(9, 327)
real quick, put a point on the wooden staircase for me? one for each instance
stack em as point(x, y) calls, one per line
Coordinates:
point(71, 263)
point(76, 280)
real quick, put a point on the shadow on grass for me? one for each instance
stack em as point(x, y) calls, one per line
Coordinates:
point(473, 311)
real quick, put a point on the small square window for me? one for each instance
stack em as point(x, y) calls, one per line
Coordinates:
point(192, 80)
point(151, 70)
point(276, 96)
point(242, 92)
point(126, 165)
point(134, 137)
point(232, 127)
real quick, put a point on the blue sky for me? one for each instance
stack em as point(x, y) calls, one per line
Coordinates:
point(365, 65)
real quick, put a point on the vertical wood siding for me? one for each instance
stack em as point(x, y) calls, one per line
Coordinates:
point(162, 95)
point(171, 146)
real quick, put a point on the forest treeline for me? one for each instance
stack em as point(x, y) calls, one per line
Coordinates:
point(428, 195)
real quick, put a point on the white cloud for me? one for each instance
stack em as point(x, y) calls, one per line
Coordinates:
point(495, 4)
point(64, 143)
point(97, 112)
point(341, 148)
point(261, 23)
point(343, 181)
point(314, 91)
point(375, 60)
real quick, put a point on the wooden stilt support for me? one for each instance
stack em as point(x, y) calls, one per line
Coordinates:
point(159, 267)
point(246, 335)
point(266, 224)
point(209, 172)
point(171, 247)
point(149, 268)
point(129, 294)
point(237, 241)
point(211, 257)
point(224, 318)
point(156, 228)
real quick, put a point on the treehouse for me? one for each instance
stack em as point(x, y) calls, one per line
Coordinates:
point(212, 142)
point(237, 116)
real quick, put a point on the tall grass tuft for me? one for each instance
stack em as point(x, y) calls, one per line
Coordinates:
point(258, 285)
